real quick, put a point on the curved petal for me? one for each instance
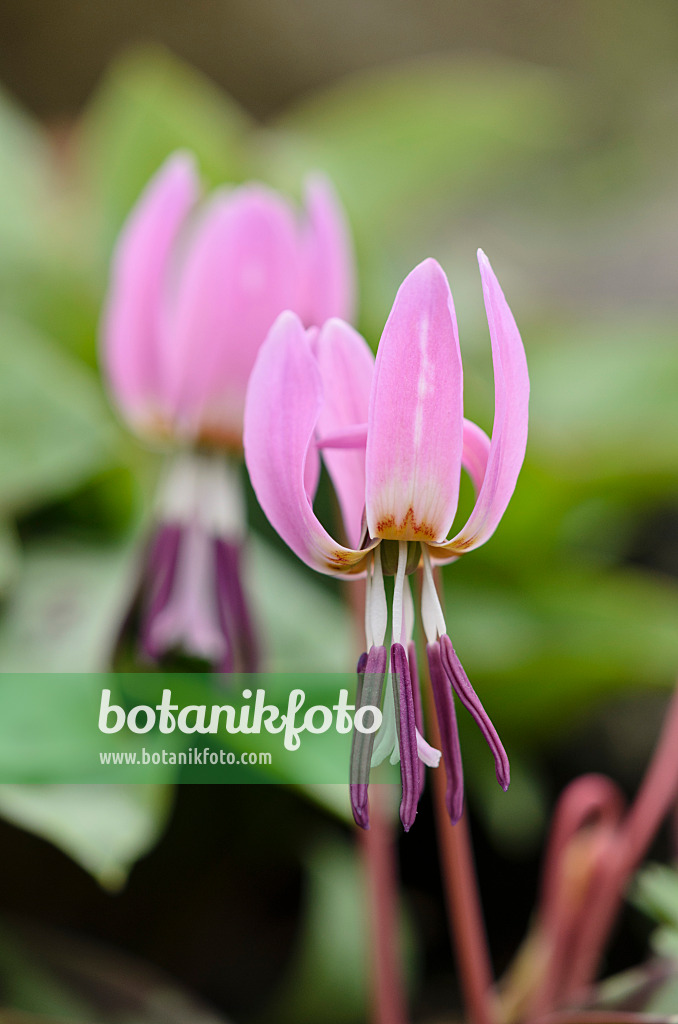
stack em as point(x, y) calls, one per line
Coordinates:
point(475, 454)
point(346, 366)
point(329, 262)
point(474, 460)
point(283, 401)
point(414, 435)
point(240, 272)
point(130, 344)
point(509, 432)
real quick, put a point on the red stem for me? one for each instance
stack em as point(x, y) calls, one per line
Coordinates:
point(463, 903)
point(634, 835)
point(377, 845)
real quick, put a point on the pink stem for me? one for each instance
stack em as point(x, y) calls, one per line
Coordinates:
point(379, 855)
point(633, 837)
point(377, 845)
point(587, 814)
point(463, 903)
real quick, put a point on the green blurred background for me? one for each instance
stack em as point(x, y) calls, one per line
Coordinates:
point(543, 132)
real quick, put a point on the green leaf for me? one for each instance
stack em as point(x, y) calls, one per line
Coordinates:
point(24, 162)
point(149, 105)
point(55, 430)
point(423, 131)
point(104, 828)
point(545, 650)
point(45, 971)
point(328, 980)
point(603, 400)
point(9, 557)
point(304, 627)
point(655, 892)
point(414, 146)
point(66, 610)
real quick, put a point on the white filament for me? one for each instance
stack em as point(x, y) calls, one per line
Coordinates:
point(378, 606)
point(204, 489)
point(369, 638)
point(431, 613)
point(408, 611)
point(398, 593)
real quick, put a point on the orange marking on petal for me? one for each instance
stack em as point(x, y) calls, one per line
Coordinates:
point(408, 529)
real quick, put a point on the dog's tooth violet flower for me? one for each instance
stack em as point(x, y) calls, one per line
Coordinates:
point(394, 439)
point(195, 286)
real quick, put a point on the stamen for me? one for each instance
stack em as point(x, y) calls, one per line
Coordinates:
point(409, 756)
point(190, 618)
point(220, 500)
point(369, 639)
point(233, 610)
point(408, 614)
point(379, 607)
point(160, 573)
point(397, 625)
point(428, 754)
point(371, 672)
point(467, 695)
point(432, 616)
point(386, 744)
point(449, 736)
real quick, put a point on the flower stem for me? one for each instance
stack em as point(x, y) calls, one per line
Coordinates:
point(463, 904)
point(378, 849)
point(633, 837)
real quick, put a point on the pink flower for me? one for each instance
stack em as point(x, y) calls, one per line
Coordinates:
point(195, 287)
point(394, 439)
point(194, 290)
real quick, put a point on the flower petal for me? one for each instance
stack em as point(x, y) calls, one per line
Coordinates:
point(476, 453)
point(509, 432)
point(414, 437)
point(329, 263)
point(240, 272)
point(284, 398)
point(346, 365)
point(130, 352)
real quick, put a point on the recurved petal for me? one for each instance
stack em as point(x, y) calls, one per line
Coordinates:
point(414, 436)
point(130, 346)
point(509, 432)
point(346, 366)
point(240, 272)
point(284, 398)
point(327, 252)
point(474, 460)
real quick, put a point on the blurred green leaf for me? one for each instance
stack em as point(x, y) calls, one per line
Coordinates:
point(149, 105)
point(65, 613)
point(328, 977)
point(655, 892)
point(9, 557)
point(413, 146)
point(104, 828)
point(55, 430)
point(603, 400)
point(550, 647)
point(430, 131)
point(48, 972)
point(304, 627)
point(24, 159)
